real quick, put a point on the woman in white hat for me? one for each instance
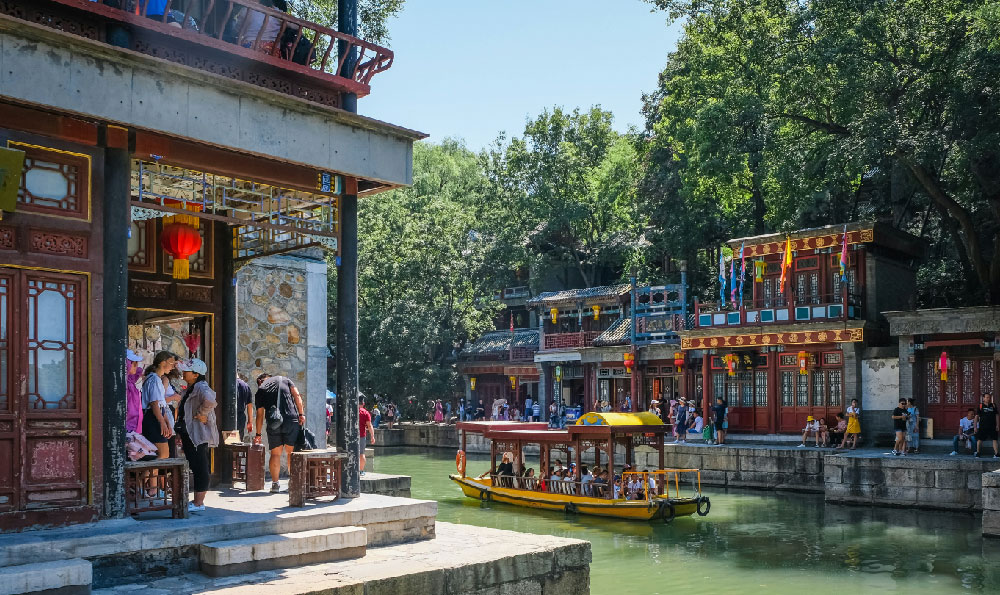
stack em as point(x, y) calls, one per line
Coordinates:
point(196, 426)
point(133, 396)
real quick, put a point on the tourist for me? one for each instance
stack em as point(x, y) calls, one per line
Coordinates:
point(244, 408)
point(681, 424)
point(899, 419)
point(627, 404)
point(196, 427)
point(853, 425)
point(553, 418)
point(366, 433)
point(654, 408)
point(966, 432)
point(278, 400)
point(719, 413)
point(438, 412)
point(505, 471)
point(528, 409)
point(390, 413)
point(155, 425)
point(986, 425)
point(447, 412)
point(824, 432)
point(480, 413)
point(812, 427)
point(838, 431)
point(913, 426)
point(696, 425)
point(376, 414)
point(585, 479)
point(133, 396)
point(257, 34)
point(461, 410)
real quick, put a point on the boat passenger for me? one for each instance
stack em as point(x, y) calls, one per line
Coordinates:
point(506, 471)
point(585, 479)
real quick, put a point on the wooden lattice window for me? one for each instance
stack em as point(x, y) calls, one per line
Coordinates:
point(818, 388)
point(53, 317)
point(760, 379)
point(54, 182)
point(787, 389)
point(201, 261)
point(836, 386)
point(986, 378)
point(968, 389)
point(802, 390)
point(933, 385)
point(141, 256)
point(4, 343)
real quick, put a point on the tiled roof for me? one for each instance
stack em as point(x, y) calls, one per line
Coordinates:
point(499, 342)
point(572, 295)
point(618, 334)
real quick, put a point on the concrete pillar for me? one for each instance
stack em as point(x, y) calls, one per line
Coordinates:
point(906, 368)
point(224, 380)
point(544, 389)
point(852, 383)
point(316, 348)
point(348, 435)
point(115, 218)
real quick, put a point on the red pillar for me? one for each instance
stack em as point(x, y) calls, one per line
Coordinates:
point(706, 384)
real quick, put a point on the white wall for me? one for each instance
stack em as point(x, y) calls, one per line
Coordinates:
point(880, 383)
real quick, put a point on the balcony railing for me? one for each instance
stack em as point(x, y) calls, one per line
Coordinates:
point(239, 39)
point(570, 340)
point(779, 310)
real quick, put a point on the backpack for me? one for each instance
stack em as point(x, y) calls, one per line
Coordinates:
point(301, 53)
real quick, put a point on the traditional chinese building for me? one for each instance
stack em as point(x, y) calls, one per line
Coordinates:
point(779, 356)
point(500, 365)
point(144, 163)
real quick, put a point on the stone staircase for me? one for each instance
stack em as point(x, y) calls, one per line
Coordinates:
point(284, 550)
point(63, 577)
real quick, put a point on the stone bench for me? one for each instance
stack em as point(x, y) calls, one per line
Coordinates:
point(65, 577)
point(269, 552)
point(314, 473)
point(248, 465)
point(169, 476)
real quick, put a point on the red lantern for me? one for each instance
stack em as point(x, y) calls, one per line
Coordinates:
point(180, 241)
point(679, 360)
point(731, 360)
point(803, 362)
point(943, 366)
point(629, 360)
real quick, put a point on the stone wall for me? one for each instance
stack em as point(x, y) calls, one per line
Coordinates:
point(281, 326)
point(944, 483)
point(991, 503)
point(879, 396)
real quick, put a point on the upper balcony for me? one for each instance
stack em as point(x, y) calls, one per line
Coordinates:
point(840, 306)
point(236, 39)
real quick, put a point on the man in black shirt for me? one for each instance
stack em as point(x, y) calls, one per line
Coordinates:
point(244, 408)
point(280, 394)
point(986, 422)
point(899, 415)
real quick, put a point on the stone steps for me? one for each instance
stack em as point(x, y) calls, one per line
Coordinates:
point(267, 552)
point(63, 577)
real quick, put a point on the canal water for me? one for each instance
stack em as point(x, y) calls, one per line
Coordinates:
point(751, 542)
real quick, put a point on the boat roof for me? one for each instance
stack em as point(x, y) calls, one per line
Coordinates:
point(481, 427)
point(643, 418)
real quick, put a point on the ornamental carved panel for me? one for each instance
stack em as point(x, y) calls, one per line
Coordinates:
point(57, 243)
point(8, 238)
point(53, 460)
point(195, 293)
point(149, 289)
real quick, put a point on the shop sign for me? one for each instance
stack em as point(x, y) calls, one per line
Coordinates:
point(612, 373)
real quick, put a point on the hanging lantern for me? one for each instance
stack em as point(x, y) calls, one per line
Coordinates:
point(679, 360)
point(558, 373)
point(182, 242)
point(731, 360)
point(758, 271)
point(629, 360)
point(803, 362)
point(554, 313)
point(513, 383)
point(943, 366)
point(472, 383)
point(597, 312)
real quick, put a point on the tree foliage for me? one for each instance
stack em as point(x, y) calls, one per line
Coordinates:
point(372, 16)
point(776, 115)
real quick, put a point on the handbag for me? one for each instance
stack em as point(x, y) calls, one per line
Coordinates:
point(274, 418)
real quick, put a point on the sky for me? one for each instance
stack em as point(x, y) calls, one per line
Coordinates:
point(471, 68)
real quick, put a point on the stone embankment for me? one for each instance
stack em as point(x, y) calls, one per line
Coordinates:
point(991, 504)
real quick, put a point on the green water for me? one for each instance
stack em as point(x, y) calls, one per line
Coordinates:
point(752, 542)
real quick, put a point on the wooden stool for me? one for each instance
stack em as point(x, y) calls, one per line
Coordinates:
point(170, 477)
point(313, 474)
point(248, 464)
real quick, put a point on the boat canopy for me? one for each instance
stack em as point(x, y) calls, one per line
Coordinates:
point(643, 418)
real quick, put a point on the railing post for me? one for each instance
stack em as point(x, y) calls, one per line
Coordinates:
point(347, 23)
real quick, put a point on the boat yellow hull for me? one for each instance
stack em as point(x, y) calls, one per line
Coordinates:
point(640, 510)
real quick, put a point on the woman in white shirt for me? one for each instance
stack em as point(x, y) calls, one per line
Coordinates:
point(155, 425)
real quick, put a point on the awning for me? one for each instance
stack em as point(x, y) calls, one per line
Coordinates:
point(559, 356)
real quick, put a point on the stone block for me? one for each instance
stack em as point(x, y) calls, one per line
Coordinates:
point(991, 499)
point(720, 462)
point(991, 479)
point(714, 477)
point(574, 555)
point(893, 495)
point(223, 558)
point(911, 477)
point(952, 479)
point(66, 576)
point(945, 498)
point(991, 523)
point(576, 582)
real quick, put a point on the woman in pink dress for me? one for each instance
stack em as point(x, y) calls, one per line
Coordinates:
point(438, 413)
point(133, 397)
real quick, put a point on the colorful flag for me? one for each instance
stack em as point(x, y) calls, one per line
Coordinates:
point(722, 279)
point(843, 257)
point(732, 284)
point(743, 271)
point(512, 321)
point(786, 263)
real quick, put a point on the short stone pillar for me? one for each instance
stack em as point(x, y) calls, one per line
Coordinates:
point(991, 504)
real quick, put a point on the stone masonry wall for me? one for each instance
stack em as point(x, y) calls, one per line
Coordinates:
point(945, 483)
point(991, 504)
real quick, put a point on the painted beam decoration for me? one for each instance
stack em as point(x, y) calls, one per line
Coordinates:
point(850, 335)
point(860, 236)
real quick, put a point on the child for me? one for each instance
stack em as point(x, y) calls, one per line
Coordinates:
point(853, 425)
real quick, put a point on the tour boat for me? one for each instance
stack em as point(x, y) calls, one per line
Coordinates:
point(660, 496)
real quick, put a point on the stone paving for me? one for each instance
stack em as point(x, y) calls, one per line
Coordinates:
point(461, 559)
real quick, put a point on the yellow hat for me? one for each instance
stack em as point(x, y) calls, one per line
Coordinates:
point(810, 418)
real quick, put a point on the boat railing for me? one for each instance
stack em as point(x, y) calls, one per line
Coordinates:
point(550, 486)
point(662, 480)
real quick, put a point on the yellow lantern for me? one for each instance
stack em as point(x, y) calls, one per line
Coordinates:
point(472, 382)
point(513, 383)
point(558, 373)
point(597, 312)
point(554, 313)
point(803, 362)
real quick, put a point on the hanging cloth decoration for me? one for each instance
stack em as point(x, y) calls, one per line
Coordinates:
point(732, 282)
point(843, 257)
point(180, 237)
point(722, 278)
point(786, 263)
point(758, 271)
point(743, 271)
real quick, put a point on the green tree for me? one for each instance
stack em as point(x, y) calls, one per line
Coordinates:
point(838, 110)
point(423, 289)
point(564, 195)
point(373, 16)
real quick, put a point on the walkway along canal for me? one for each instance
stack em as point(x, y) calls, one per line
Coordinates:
point(753, 542)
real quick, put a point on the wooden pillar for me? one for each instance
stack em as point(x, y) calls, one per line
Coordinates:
point(659, 483)
point(578, 455)
point(611, 468)
point(706, 383)
point(348, 436)
point(493, 457)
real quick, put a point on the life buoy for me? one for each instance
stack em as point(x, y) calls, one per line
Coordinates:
point(708, 505)
point(667, 512)
point(485, 496)
point(460, 463)
point(571, 508)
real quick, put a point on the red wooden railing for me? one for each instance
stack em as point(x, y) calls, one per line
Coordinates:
point(251, 30)
point(781, 302)
point(569, 340)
